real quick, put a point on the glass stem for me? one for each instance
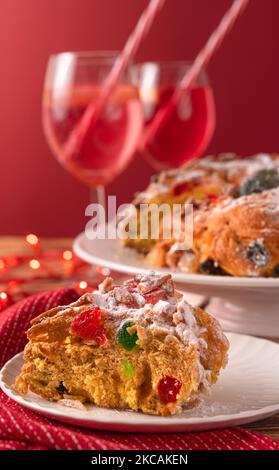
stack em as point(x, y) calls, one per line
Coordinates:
point(98, 194)
point(101, 196)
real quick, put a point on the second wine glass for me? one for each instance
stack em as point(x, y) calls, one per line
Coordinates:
point(188, 129)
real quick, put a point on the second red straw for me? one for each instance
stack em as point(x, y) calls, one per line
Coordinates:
point(199, 63)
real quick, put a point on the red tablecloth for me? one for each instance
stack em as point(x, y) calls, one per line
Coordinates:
point(22, 429)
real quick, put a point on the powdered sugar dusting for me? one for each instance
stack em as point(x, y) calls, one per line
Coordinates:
point(170, 314)
point(72, 404)
point(267, 202)
point(228, 167)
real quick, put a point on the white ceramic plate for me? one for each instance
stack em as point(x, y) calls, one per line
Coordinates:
point(112, 254)
point(242, 304)
point(248, 390)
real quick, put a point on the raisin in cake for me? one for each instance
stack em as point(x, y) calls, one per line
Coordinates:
point(137, 346)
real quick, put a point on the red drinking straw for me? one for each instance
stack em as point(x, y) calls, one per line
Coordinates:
point(94, 109)
point(193, 72)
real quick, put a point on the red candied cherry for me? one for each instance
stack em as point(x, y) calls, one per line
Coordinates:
point(181, 188)
point(154, 296)
point(212, 197)
point(168, 389)
point(88, 325)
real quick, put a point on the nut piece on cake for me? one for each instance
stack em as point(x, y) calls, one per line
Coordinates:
point(137, 346)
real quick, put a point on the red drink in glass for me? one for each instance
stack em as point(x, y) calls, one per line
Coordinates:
point(188, 129)
point(106, 150)
point(73, 82)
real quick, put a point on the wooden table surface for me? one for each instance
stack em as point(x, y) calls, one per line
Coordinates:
point(18, 246)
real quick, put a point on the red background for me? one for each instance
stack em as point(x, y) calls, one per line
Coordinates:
point(36, 194)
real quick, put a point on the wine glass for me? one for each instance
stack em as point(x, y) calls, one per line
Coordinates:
point(187, 131)
point(75, 80)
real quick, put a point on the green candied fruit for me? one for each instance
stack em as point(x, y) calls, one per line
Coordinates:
point(125, 339)
point(261, 181)
point(128, 369)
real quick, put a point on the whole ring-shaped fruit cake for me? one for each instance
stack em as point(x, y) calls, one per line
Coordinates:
point(235, 217)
